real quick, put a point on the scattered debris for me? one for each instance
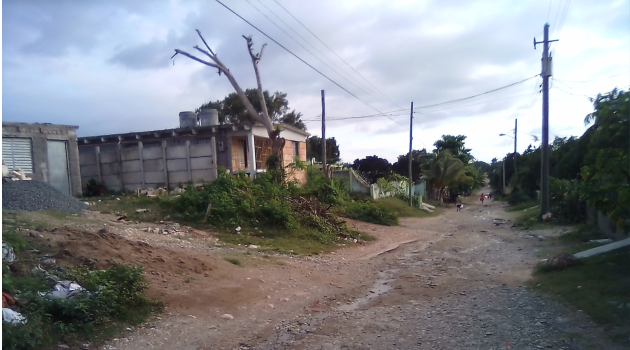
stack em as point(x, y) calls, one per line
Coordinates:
point(546, 217)
point(238, 229)
point(601, 241)
point(7, 253)
point(18, 174)
point(227, 317)
point(142, 210)
point(561, 261)
point(11, 316)
point(64, 290)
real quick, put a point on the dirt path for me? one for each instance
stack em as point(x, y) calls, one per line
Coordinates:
point(450, 282)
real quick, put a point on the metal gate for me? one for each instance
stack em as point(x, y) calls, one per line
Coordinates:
point(58, 166)
point(16, 153)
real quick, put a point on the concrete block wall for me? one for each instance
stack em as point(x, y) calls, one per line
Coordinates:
point(140, 166)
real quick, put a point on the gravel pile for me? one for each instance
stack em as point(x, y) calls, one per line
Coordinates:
point(35, 195)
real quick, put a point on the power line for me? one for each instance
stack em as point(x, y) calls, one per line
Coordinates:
point(331, 50)
point(307, 50)
point(549, 9)
point(589, 81)
point(390, 113)
point(354, 80)
point(473, 96)
point(298, 57)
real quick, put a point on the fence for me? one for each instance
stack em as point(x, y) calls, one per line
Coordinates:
point(358, 184)
point(146, 167)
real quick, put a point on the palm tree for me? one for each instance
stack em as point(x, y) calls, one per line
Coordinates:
point(445, 171)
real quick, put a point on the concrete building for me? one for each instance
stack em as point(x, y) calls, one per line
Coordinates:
point(191, 153)
point(45, 152)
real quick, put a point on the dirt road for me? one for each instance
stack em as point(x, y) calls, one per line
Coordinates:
point(451, 282)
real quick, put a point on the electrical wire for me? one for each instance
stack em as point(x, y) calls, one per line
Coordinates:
point(589, 81)
point(350, 79)
point(299, 58)
point(331, 50)
point(307, 50)
point(473, 96)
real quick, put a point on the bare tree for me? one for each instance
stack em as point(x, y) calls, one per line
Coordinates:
point(277, 142)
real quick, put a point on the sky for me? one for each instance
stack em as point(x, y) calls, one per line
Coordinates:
point(106, 66)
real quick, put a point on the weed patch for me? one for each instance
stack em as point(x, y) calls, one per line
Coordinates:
point(112, 298)
point(600, 286)
point(233, 261)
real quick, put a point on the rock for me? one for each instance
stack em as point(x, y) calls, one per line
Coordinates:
point(142, 210)
point(227, 317)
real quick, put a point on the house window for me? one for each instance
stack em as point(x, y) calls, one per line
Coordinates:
point(296, 149)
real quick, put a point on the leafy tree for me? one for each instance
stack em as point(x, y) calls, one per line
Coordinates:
point(455, 144)
point(419, 160)
point(606, 174)
point(373, 167)
point(232, 109)
point(314, 149)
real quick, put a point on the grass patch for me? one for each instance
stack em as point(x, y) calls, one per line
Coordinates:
point(285, 242)
point(522, 206)
point(600, 286)
point(368, 211)
point(529, 220)
point(127, 206)
point(233, 261)
point(402, 208)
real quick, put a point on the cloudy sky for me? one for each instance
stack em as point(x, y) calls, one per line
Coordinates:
point(105, 65)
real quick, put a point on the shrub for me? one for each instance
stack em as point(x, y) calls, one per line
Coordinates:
point(95, 188)
point(369, 212)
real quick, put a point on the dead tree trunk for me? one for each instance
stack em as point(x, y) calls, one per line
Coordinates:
point(277, 143)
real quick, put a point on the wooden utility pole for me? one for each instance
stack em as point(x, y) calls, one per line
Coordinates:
point(410, 158)
point(324, 135)
point(545, 73)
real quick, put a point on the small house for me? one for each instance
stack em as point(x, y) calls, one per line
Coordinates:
point(44, 152)
point(193, 152)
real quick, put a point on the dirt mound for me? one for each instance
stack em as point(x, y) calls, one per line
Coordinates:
point(183, 279)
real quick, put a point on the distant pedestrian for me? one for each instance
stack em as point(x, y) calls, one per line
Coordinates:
point(490, 196)
point(482, 198)
point(460, 205)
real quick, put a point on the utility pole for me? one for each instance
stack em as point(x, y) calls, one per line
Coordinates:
point(515, 135)
point(545, 73)
point(503, 176)
point(410, 158)
point(324, 135)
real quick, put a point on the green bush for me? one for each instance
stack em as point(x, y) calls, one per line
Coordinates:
point(369, 212)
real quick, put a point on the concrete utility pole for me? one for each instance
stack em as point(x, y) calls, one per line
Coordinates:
point(324, 135)
point(515, 135)
point(545, 73)
point(410, 153)
point(503, 176)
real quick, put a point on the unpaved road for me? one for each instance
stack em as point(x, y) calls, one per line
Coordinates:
point(455, 281)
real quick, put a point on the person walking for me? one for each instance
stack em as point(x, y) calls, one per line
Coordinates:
point(460, 205)
point(482, 198)
point(490, 196)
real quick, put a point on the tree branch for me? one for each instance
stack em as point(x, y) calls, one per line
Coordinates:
point(204, 42)
point(178, 51)
point(265, 119)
